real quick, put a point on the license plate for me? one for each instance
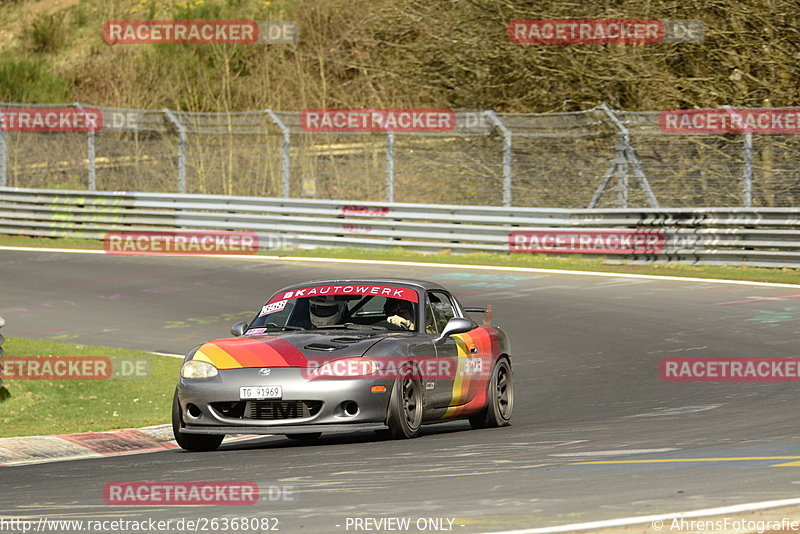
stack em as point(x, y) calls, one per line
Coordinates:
point(260, 392)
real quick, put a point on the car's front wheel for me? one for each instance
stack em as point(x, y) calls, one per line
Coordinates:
point(404, 417)
point(191, 442)
point(500, 398)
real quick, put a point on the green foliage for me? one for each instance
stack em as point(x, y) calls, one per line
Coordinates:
point(28, 79)
point(47, 33)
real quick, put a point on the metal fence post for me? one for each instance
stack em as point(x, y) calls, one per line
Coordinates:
point(507, 147)
point(748, 170)
point(624, 143)
point(390, 167)
point(747, 160)
point(286, 161)
point(181, 149)
point(3, 152)
point(90, 154)
point(622, 186)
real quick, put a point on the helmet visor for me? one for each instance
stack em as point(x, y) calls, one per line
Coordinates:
point(324, 310)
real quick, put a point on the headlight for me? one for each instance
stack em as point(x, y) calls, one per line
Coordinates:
point(346, 368)
point(198, 369)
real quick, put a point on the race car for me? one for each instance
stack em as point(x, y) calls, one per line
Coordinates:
point(385, 355)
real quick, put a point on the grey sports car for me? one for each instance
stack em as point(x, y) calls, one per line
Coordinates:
point(344, 355)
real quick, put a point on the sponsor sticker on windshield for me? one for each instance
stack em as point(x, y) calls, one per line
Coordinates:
point(273, 307)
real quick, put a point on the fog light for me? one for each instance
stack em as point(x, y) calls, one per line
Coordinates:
point(350, 408)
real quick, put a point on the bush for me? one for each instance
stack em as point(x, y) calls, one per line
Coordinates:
point(47, 33)
point(29, 80)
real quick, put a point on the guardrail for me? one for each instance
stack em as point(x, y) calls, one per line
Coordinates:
point(732, 236)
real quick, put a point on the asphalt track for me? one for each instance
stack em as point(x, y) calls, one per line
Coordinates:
point(585, 350)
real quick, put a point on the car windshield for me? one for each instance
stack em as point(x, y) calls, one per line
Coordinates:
point(368, 307)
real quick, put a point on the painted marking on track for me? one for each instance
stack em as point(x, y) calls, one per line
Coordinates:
point(644, 519)
point(787, 464)
point(169, 354)
point(680, 410)
point(435, 265)
point(617, 452)
point(751, 300)
point(689, 460)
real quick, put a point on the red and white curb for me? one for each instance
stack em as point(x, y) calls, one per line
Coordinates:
point(43, 449)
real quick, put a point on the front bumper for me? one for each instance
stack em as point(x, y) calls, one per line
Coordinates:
point(283, 429)
point(200, 411)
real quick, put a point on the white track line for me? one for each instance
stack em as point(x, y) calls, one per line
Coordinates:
point(424, 264)
point(169, 354)
point(655, 520)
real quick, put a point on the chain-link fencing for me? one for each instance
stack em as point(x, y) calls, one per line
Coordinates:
point(595, 158)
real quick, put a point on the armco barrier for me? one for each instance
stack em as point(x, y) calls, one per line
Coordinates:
point(733, 236)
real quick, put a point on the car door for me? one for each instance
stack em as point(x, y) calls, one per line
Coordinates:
point(440, 308)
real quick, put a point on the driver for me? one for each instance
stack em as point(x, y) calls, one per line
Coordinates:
point(399, 313)
point(325, 311)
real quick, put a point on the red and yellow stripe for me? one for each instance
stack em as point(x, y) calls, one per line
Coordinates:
point(238, 353)
point(469, 389)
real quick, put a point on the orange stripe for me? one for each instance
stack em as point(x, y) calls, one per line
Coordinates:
point(218, 357)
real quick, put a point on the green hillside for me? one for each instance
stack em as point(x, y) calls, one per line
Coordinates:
point(454, 53)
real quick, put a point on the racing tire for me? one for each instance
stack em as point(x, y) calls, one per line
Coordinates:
point(404, 415)
point(306, 436)
point(500, 398)
point(191, 442)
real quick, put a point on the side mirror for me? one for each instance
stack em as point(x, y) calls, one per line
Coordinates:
point(239, 329)
point(456, 325)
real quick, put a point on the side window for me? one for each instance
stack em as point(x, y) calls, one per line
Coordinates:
point(440, 310)
point(430, 326)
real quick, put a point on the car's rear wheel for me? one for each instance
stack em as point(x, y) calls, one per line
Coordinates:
point(191, 442)
point(500, 398)
point(306, 436)
point(404, 417)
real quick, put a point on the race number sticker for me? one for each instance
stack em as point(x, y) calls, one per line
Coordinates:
point(473, 365)
point(272, 308)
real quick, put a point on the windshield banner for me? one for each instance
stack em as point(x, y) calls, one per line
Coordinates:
point(402, 293)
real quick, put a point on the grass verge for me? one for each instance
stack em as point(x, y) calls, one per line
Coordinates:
point(538, 261)
point(41, 407)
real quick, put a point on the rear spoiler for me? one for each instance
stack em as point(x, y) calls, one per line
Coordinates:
point(487, 313)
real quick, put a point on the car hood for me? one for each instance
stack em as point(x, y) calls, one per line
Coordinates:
point(290, 349)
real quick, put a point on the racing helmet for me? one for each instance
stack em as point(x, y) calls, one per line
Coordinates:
point(398, 307)
point(325, 311)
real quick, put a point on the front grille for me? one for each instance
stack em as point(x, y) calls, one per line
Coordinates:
point(281, 409)
point(268, 410)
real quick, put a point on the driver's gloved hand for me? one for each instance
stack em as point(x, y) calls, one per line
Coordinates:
point(401, 322)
